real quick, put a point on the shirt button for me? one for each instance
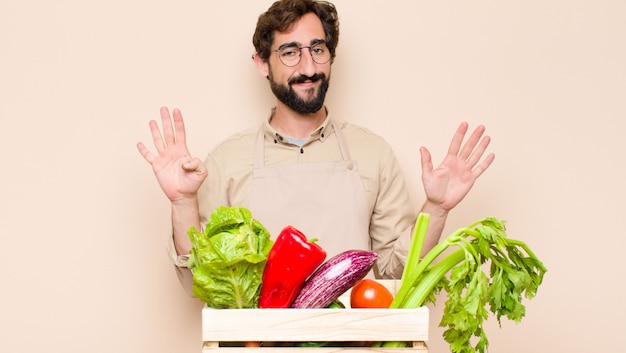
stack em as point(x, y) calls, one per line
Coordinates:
point(350, 166)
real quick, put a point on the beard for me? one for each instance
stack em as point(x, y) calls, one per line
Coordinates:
point(290, 98)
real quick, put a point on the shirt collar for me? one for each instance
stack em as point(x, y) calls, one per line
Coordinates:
point(321, 133)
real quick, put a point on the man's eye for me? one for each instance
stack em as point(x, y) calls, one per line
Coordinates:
point(318, 50)
point(289, 53)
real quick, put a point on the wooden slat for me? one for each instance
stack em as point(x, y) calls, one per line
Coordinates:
point(322, 325)
point(420, 348)
point(315, 324)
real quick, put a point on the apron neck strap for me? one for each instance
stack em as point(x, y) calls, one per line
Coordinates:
point(259, 151)
point(343, 146)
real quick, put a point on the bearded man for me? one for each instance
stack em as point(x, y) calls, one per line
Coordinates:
point(332, 180)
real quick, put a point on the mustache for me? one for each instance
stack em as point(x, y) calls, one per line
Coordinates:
point(302, 79)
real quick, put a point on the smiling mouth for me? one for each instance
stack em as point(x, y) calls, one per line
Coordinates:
point(305, 84)
point(304, 79)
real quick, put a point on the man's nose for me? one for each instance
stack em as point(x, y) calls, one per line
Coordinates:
point(307, 65)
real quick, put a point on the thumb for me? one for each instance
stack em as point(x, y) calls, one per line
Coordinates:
point(427, 161)
point(194, 165)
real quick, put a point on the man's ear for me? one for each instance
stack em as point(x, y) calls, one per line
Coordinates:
point(261, 65)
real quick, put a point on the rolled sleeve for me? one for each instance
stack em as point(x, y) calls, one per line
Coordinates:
point(185, 276)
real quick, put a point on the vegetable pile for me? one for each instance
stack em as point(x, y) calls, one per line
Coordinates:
point(514, 272)
point(236, 265)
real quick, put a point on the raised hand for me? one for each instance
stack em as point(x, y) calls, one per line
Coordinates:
point(446, 185)
point(178, 174)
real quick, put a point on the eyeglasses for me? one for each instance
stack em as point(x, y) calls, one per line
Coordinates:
point(290, 55)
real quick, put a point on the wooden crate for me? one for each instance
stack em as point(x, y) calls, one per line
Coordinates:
point(229, 326)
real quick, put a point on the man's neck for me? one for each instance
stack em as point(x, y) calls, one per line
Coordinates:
point(293, 124)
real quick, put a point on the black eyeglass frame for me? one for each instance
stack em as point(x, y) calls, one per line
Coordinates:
point(294, 45)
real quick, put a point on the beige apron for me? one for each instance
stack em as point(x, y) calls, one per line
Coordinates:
point(324, 200)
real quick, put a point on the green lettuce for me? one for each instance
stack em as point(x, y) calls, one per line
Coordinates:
point(228, 259)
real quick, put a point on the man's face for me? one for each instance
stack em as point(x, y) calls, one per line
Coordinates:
point(301, 87)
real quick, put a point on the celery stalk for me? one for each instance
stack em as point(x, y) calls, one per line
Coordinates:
point(413, 257)
point(515, 272)
point(431, 279)
point(412, 276)
point(419, 236)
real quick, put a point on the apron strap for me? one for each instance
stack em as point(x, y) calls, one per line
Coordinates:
point(259, 152)
point(343, 146)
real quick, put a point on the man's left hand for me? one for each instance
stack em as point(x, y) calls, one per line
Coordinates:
point(446, 185)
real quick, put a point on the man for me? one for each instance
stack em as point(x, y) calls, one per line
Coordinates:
point(334, 181)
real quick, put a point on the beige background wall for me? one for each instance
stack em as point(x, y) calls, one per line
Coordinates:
point(83, 222)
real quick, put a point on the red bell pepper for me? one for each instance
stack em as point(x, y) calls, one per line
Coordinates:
point(290, 262)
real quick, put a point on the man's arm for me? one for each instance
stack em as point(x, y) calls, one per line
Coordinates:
point(448, 184)
point(178, 174)
point(436, 224)
point(184, 216)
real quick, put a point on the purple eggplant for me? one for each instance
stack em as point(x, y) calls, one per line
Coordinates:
point(334, 277)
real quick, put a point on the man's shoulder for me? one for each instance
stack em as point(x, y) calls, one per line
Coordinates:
point(361, 133)
point(365, 145)
point(236, 142)
point(243, 136)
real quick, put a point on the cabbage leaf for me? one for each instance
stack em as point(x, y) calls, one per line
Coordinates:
point(228, 259)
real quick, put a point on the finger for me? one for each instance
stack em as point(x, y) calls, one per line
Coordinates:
point(484, 165)
point(194, 165)
point(157, 138)
point(179, 127)
point(168, 131)
point(471, 142)
point(457, 139)
point(147, 155)
point(479, 151)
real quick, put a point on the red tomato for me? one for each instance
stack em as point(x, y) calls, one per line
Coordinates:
point(368, 293)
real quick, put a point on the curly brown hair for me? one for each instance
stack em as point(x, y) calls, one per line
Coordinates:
point(283, 13)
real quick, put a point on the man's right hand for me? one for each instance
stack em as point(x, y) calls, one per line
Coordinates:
point(178, 174)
